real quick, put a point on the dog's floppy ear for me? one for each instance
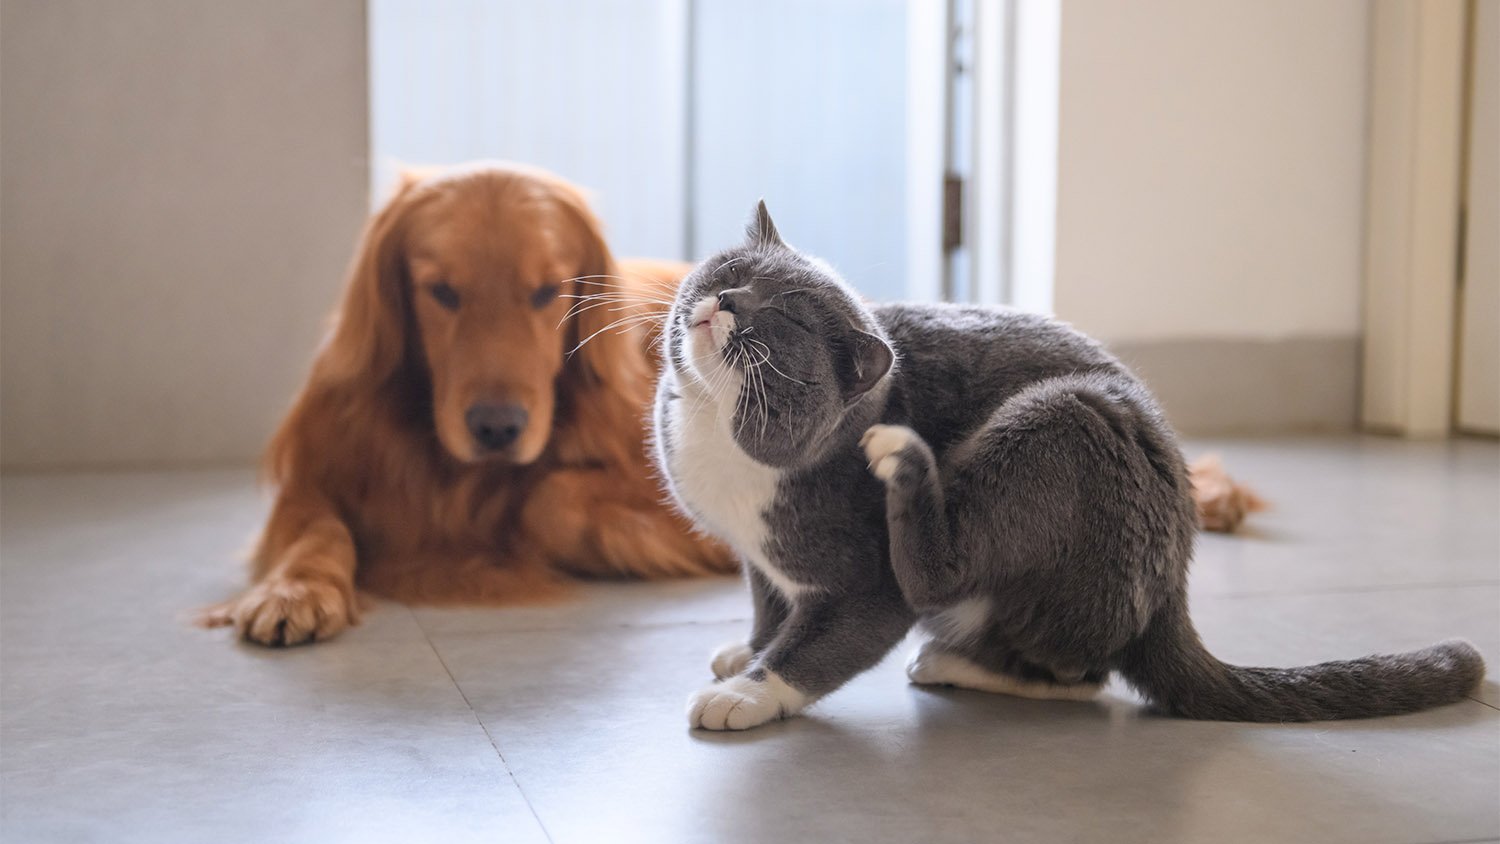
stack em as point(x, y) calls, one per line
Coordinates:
point(369, 338)
point(603, 350)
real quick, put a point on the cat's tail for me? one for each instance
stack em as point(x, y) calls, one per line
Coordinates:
point(1170, 666)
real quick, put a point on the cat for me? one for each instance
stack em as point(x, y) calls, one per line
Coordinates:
point(991, 475)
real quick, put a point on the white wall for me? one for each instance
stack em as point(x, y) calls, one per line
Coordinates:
point(181, 183)
point(1210, 168)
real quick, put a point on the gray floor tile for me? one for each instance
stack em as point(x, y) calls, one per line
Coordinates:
point(135, 550)
point(1362, 512)
point(881, 761)
point(119, 722)
point(122, 723)
point(598, 606)
point(188, 739)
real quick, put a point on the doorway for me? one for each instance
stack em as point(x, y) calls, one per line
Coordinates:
point(854, 119)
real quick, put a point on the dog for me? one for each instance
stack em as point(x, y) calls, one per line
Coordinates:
point(473, 430)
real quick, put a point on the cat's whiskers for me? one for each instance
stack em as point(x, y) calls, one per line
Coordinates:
point(734, 364)
point(754, 378)
point(713, 384)
point(766, 351)
point(625, 323)
point(632, 295)
point(758, 382)
point(747, 389)
point(785, 417)
point(655, 330)
point(711, 380)
point(589, 301)
point(644, 290)
point(765, 411)
point(621, 293)
point(618, 307)
point(629, 282)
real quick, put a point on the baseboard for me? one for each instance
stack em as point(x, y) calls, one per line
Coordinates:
point(1251, 386)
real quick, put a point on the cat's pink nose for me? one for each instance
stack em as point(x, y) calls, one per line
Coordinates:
point(731, 301)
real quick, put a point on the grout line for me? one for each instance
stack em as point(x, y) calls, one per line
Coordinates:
point(1227, 596)
point(482, 726)
point(566, 628)
point(1350, 590)
point(1483, 703)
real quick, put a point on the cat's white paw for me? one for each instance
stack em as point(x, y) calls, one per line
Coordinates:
point(882, 445)
point(740, 703)
point(932, 665)
point(731, 659)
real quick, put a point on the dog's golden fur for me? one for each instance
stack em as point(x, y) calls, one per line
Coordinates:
point(379, 483)
point(1223, 503)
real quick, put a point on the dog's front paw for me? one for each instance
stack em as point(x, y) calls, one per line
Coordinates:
point(731, 659)
point(740, 703)
point(883, 445)
point(286, 611)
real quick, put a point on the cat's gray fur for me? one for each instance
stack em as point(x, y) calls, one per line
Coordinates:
point(1043, 481)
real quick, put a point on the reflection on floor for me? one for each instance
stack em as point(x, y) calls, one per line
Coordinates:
point(119, 722)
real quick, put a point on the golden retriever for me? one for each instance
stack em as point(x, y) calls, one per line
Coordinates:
point(447, 447)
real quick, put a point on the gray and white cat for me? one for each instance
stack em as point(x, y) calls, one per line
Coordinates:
point(992, 475)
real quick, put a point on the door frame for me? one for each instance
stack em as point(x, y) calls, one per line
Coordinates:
point(1413, 221)
point(1004, 165)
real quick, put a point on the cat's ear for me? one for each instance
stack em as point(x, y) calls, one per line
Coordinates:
point(872, 359)
point(762, 231)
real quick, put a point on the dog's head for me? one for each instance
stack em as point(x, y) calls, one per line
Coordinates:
point(459, 292)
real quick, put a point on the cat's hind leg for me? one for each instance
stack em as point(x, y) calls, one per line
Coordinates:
point(917, 516)
point(935, 663)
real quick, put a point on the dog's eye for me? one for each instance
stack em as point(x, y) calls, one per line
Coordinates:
point(445, 295)
point(544, 295)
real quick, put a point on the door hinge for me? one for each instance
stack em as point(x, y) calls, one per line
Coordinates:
point(953, 212)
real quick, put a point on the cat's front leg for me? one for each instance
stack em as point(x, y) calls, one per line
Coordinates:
point(916, 516)
point(730, 659)
point(771, 610)
point(824, 642)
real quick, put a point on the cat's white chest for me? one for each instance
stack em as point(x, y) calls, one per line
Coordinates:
point(726, 490)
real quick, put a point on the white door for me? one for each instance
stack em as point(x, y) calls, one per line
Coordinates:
point(593, 90)
point(1479, 330)
point(804, 103)
point(680, 114)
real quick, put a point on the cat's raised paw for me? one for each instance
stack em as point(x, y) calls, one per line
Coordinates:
point(731, 659)
point(740, 703)
point(883, 445)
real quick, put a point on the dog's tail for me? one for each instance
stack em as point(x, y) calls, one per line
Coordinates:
point(1170, 666)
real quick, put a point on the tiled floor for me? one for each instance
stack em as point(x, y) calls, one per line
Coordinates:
point(119, 722)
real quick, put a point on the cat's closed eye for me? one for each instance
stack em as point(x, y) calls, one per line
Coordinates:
point(787, 318)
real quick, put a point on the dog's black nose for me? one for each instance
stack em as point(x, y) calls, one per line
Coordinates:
point(495, 426)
